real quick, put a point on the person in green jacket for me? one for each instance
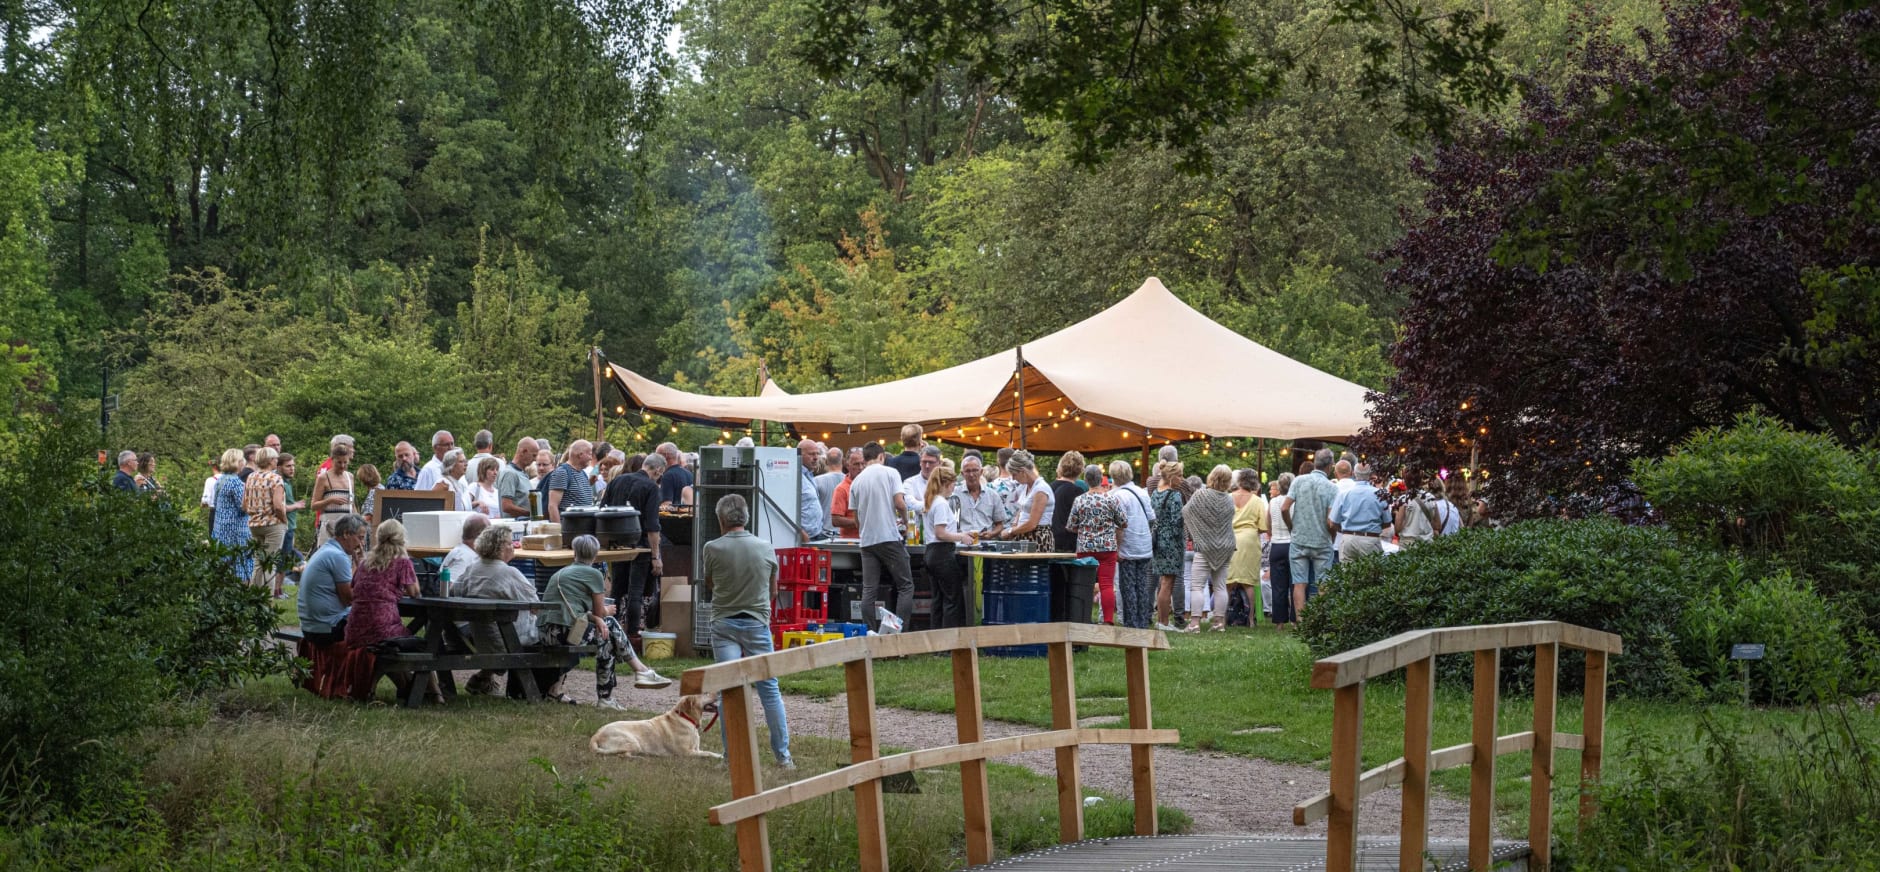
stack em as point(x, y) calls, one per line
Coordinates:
point(578, 609)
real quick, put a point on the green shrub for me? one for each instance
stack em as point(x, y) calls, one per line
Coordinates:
point(1733, 799)
point(1807, 657)
point(114, 604)
point(1633, 581)
point(1773, 494)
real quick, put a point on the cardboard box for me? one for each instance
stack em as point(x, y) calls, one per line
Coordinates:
point(542, 541)
point(675, 611)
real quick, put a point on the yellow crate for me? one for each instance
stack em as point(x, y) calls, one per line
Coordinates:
point(799, 638)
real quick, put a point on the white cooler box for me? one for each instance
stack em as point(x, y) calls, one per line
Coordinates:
point(434, 529)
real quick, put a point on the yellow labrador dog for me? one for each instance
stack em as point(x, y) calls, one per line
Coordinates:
point(673, 734)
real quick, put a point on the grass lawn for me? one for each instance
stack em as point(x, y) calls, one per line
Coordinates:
point(1248, 692)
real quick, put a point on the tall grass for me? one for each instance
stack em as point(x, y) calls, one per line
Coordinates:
point(1741, 799)
point(279, 780)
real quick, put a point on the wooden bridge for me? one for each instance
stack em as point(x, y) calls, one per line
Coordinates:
point(1342, 850)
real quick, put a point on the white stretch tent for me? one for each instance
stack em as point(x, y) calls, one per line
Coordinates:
point(1147, 370)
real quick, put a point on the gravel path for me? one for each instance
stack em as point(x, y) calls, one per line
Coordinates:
point(1223, 793)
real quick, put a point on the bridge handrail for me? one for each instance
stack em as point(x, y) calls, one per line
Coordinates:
point(1415, 652)
point(750, 802)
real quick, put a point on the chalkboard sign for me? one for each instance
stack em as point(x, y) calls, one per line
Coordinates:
point(392, 505)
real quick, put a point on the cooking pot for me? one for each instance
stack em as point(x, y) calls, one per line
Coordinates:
point(577, 521)
point(617, 526)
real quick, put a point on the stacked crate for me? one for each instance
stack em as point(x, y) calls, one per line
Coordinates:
point(802, 591)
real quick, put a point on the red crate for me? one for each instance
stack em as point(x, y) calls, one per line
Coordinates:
point(804, 567)
point(799, 605)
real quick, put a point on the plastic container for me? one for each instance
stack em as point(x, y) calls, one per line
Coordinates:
point(1017, 592)
point(659, 646)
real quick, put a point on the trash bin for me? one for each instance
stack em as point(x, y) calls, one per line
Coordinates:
point(1073, 590)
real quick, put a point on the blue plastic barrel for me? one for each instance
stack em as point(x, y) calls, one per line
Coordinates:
point(1017, 592)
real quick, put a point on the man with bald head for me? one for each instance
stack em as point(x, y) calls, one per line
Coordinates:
point(433, 472)
point(404, 468)
point(809, 507)
point(568, 485)
point(675, 487)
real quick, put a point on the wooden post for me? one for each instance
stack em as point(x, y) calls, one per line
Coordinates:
point(871, 827)
point(1541, 780)
point(746, 780)
point(970, 721)
point(1064, 717)
point(1482, 763)
point(1021, 397)
point(1142, 475)
point(1593, 727)
point(1341, 836)
point(1418, 721)
point(763, 427)
point(1141, 757)
point(600, 421)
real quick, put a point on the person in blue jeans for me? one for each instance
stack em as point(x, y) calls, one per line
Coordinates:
point(1307, 513)
point(741, 579)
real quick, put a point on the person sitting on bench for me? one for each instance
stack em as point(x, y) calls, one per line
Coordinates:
point(579, 615)
point(491, 577)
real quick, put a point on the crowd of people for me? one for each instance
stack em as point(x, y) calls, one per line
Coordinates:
point(1176, 552)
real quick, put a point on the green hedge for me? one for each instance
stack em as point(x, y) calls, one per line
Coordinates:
point(1633, 581)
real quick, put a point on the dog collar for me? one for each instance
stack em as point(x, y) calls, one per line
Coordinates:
point(694, 722)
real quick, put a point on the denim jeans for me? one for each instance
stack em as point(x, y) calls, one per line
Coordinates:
point(738, 637)
point(1309, 564)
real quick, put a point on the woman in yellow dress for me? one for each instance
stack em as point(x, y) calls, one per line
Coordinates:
point(1245, 588)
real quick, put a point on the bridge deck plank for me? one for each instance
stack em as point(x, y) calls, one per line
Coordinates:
point(1220, 852)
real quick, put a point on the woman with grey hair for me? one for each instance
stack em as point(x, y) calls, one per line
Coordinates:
point(452, 481)
point(1208, 519)
point(1031, 521)
point(579, 614)
point(491, 577)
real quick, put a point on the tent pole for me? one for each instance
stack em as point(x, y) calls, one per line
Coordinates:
point(763, 427)
point(1145, 458)
point(600, 422)
point(1021, 397)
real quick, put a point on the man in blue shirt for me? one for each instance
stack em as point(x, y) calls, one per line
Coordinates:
point(1360, 516)
point(809, 507)
point(326, 582)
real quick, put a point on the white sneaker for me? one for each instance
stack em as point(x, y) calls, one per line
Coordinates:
point(650, 680)
point(1167, 628)
point(611, 703)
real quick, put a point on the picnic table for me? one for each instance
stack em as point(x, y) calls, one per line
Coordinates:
point(441, 616)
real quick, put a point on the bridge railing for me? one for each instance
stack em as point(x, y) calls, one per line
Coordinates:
point(1415, 653)
point(751, 802)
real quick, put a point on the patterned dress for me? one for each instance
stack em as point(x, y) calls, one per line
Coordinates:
point(231, 523)
point(1168, 532)
point(375, 603)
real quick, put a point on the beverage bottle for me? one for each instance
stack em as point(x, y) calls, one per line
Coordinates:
point(443, 581)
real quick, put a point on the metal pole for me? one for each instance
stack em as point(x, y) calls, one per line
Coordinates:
point(104, 396)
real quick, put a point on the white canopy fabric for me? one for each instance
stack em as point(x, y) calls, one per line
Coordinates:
point(1145, 371)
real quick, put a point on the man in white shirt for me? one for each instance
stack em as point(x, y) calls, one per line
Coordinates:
point(811, 515)
point(464, 555)
point(914, 490)
point(879, 506)
point(826, 485)
point(433, 472)
point(1135, 583)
